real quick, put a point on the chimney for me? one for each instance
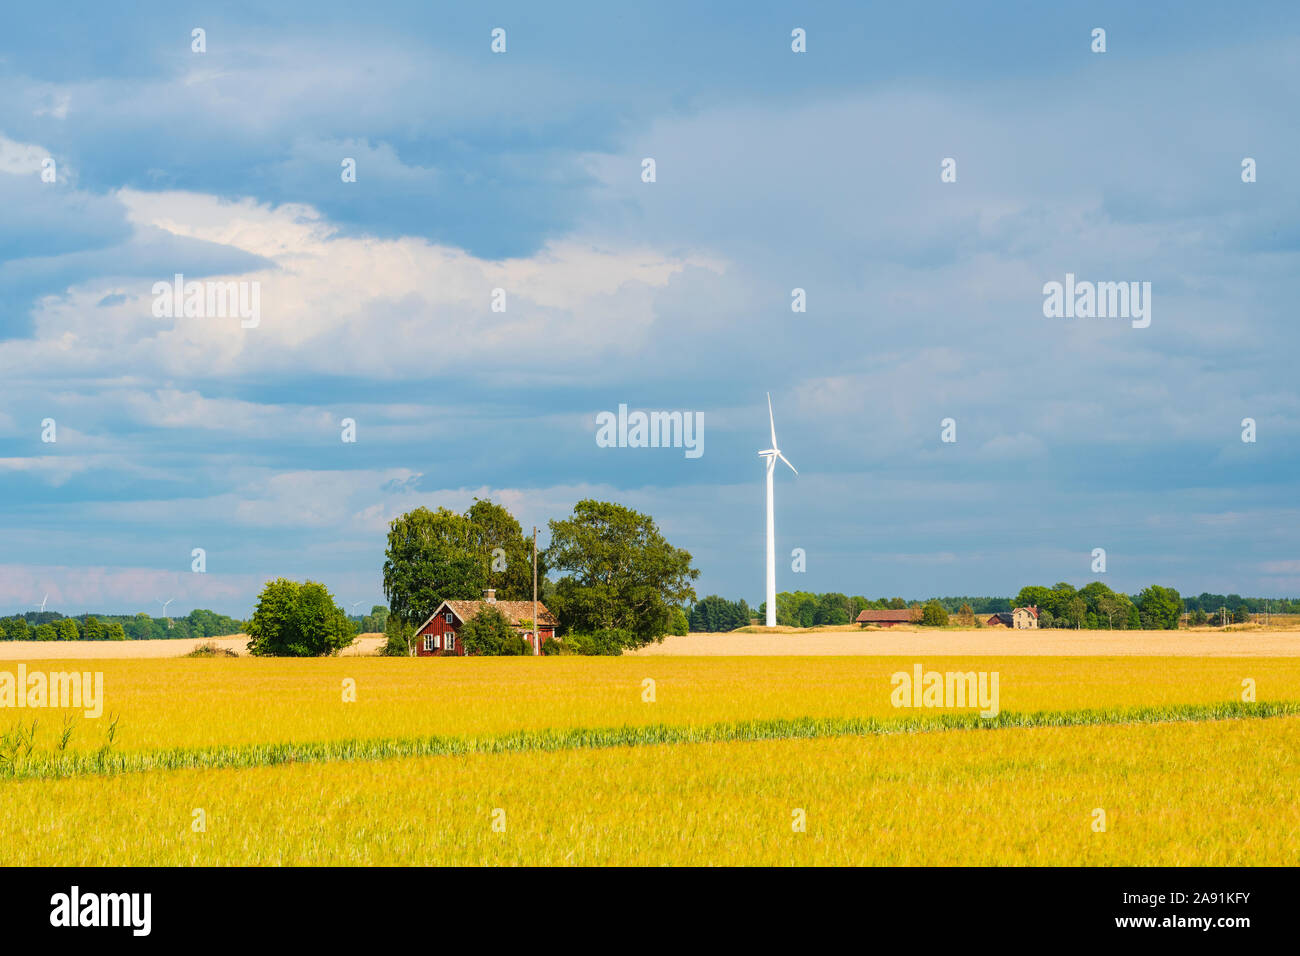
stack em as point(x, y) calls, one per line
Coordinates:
point(490, 595)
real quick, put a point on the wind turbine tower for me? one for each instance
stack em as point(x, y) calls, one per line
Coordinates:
point(772, 454)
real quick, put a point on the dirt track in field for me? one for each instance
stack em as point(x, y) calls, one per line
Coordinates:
point(114, 650)
point(1001, 642)
point(884, 642)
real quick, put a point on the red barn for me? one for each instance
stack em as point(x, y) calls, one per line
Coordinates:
point(440, 634)
point(890, 617)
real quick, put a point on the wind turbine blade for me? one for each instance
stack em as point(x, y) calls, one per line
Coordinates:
point(770, 419)
point(787, 461)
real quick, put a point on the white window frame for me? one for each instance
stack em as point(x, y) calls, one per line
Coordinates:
point(450, 640)
point(449, 616)
point(428, 643)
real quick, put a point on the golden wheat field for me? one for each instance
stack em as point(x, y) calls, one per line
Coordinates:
point(1220, 792)
point(207, 702)
point(648, 760)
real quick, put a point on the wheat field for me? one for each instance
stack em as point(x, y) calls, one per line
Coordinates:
point(648, 760)
point(1212, 793)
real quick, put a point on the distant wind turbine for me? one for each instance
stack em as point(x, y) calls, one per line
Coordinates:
point(164, 608)
point(772, 454)
point(43, 600)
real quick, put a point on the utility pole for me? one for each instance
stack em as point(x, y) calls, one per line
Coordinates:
point(537, 629)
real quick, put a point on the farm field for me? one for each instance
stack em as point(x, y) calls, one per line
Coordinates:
point(1249, 641)
point(589, 770)
point(195, 702)
point(1240, 641)
point(1210, 793)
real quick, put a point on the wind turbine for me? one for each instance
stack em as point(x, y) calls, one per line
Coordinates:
point(43, 600)
point(164, 608)
point(772, 454)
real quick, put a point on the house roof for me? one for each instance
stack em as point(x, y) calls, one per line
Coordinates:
point(515, 612)
point(1032, 609)
point(892, 615)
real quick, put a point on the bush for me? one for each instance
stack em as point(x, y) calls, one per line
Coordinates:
point(934, 614)
point(210, 649)
point(489, 634)
point(298, 620)
point(515, 646)
point(606, 643)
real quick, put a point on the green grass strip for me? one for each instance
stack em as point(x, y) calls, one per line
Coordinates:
point(40, 765)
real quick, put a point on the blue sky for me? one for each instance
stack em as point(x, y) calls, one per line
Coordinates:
point(775, 170)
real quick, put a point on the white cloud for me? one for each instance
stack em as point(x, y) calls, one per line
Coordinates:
point(391, 308)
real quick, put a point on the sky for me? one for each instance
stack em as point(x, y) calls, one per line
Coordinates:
point(523, 171)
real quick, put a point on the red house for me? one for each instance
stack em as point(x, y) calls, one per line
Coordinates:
point(440, 634)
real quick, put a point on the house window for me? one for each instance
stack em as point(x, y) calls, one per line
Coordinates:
point(451, 640)
point(449, 617)
point(437, 642)
point(428, 642)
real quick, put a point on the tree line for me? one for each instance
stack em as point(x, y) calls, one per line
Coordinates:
point(53, 626)
point(1094, 606)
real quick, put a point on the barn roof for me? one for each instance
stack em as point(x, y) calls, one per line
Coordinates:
point(515, 612)
point(904, 615)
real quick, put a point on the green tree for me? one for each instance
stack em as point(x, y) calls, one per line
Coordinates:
point(677, 623)
point(1077, 611)
point(1198, 618)
point(400, 638)
point(16, 629)
point(1160, 608)
point(376, 622)
point(429, 560)
point(505, 553)
point(66, 630)
point(46, 632)
point(1035, 596)
point(716, 614)
point(1111, 609)
point(934, 614)
point(619, 572)
point(297, 620)
point(831, 608)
